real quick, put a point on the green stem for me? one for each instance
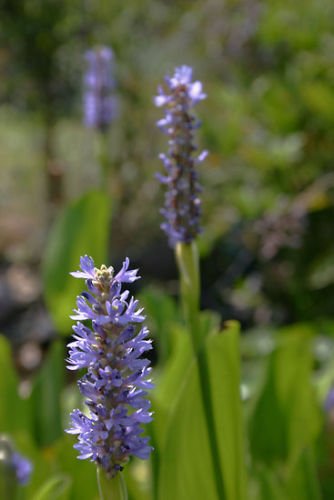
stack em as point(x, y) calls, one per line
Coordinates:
point(188, 264)
point(111, 489)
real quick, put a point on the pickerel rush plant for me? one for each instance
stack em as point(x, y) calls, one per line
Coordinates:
point(182, 221)
point(182, 202)
point(117, 378)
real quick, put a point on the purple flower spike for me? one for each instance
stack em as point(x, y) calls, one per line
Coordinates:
point(117, 376)
point(99, 102)
point(182, 208)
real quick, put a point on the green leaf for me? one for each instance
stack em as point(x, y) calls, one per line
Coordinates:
point(285, 420)
point(171, 380)
point(46, 396)
point(15, 412)
point(82, 228)
point(286, 402)
point(186, 465)
point(169, 385)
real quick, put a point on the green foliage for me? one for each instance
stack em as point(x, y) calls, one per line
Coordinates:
point(81, 229)
point(285, 420)
point(46, 396)
point(15, 413)
point(190, 475)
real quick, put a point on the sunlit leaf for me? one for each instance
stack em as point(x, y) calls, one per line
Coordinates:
point(46, 396)
point(15, 412)
point(285, 420)
point(186, 465)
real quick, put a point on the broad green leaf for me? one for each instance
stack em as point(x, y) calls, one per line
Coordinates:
point(302, 479)
point(46, 396)
point(170, 382)
point(186, 464)
point(224, 360)
point(82, 228)
point(169, 385)
point(299, 484)
point(15, 412)
point(285, 420)
point(286, 402)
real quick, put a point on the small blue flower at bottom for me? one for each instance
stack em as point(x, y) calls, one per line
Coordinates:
point(117, 378)
point(13, 462)
point(23, 468)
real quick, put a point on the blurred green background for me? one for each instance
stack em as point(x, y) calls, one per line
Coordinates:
point(267, 251)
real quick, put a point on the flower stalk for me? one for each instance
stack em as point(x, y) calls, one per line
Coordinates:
point(182, 212)
point(188, 265)
point(111, 489)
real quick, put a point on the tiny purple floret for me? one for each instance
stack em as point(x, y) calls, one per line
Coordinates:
point(23, 468)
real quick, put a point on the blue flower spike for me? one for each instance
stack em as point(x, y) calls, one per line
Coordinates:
point(109, 343)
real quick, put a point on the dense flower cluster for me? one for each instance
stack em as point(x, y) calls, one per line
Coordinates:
point(182, 203)
point(99, 102)
point(117, 376)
